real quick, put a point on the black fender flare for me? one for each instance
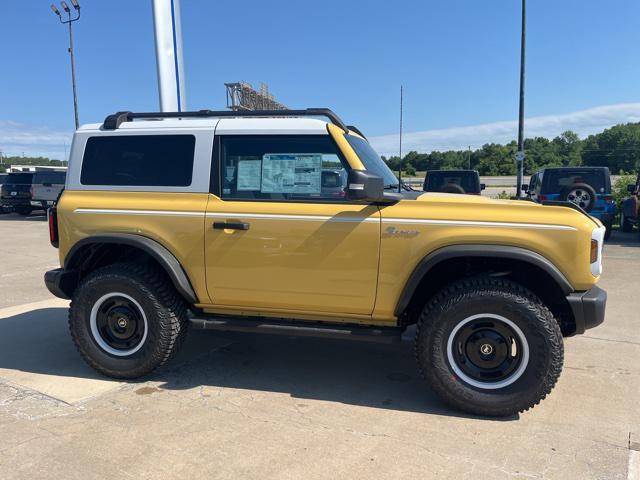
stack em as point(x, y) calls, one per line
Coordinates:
point(164, 257)
point(489, 251)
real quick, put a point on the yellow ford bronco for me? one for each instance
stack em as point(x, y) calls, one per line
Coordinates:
point(277, 221)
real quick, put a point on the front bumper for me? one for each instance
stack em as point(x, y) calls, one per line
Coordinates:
point(588, 308)
point(61, 282)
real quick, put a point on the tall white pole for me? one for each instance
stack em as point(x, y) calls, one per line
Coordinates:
point(168, 33)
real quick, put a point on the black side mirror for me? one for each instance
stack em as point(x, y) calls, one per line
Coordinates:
point(364, 186)
point(483, 186)
point(525, 188)
point(631, 188)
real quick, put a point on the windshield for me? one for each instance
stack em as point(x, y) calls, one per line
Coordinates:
point(371, 160)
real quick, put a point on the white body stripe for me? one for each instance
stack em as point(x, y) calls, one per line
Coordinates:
point(304, 218)
point(473, 223)
point(324, 218)
point(163, 213)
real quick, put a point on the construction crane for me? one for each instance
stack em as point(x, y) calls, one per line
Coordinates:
point(242, 96)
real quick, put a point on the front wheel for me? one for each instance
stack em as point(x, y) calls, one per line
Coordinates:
point(489, 346)
point(127, 319)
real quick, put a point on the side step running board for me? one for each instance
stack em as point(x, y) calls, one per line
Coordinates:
point(299, 328)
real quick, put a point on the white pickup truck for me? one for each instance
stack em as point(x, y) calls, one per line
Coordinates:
point(46, 188)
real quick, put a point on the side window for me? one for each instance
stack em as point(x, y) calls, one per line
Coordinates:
point(281, 167)
point(139, 160)
point(538, 186)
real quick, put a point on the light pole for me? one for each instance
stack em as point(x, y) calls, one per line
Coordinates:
point(68, 22)
point(520, 154)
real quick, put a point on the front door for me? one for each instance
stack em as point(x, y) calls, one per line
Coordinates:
point(280, 234)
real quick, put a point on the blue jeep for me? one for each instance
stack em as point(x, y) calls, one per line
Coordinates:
point(587, 187)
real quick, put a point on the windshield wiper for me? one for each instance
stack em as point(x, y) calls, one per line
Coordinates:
point(391, 186)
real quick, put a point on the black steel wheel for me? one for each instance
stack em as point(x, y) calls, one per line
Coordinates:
point(488, 351)
point(118, 324)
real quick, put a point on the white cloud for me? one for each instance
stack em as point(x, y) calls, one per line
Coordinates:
point(583, 122)
point(17, 138)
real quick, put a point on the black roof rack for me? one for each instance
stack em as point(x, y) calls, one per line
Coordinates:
point(112, 122)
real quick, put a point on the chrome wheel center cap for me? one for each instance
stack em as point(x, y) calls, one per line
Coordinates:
point(122, 322)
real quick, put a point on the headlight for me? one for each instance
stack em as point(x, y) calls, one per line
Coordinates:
point(597, 241)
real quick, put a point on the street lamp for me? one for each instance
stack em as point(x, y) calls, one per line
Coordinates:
point(520, 154)
point(69, 21)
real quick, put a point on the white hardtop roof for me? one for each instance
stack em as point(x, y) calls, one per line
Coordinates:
point(228, 126)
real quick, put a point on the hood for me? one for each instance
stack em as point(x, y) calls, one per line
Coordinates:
point(477, 207)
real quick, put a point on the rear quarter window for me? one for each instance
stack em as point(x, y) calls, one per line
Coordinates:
point(139, 160)
point(557, 181)
point(19, 178)
point(54, 178)
point(437, 181)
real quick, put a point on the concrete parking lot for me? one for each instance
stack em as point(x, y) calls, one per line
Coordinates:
point(251, 406)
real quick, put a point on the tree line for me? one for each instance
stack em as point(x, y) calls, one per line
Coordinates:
point(617, 147)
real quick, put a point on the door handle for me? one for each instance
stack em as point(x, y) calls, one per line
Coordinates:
point(230, 226)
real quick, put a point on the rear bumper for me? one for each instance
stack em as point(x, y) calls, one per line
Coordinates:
point(588, 308)
point(15, 202)
point(61, 282)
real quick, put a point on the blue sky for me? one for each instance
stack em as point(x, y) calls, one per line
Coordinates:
point(457, 59)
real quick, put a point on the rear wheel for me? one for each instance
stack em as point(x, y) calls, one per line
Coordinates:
point(127, 319)
point(489, 346)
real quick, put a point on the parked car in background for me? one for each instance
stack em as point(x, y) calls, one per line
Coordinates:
point(46, 188)
point(16, 192)
point(3, 177)
point(24, 192)
point(630, 211)
point(587, 187)
point(453, 181)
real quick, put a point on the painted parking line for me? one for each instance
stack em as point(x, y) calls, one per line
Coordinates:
point(633, 470)
point(37, 353)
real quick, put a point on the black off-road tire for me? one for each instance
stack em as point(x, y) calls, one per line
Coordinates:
point(164, 308)
point(488, 295)
point(625, 225)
